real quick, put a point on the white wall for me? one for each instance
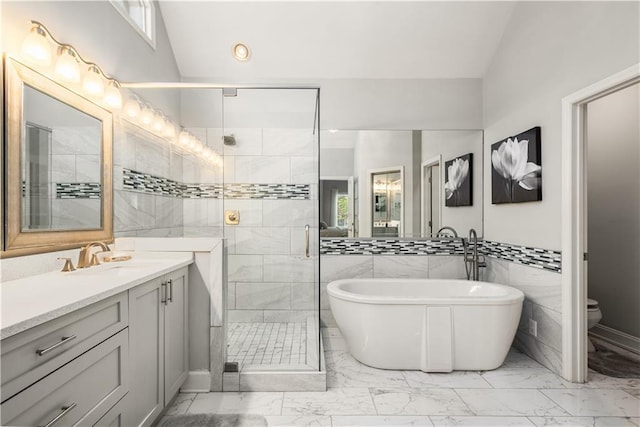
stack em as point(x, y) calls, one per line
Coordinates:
point(613, 186)
point(451, 144)
point(549, 50)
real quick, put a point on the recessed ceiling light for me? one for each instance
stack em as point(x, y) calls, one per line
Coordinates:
point(241, 52)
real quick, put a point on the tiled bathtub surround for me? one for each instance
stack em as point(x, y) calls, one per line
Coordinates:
point(78, 190)
point(147, 183)
point(394, 258)
point(533, 257)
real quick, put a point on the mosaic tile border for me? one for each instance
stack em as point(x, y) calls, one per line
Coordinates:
point(333, 246)
point(545, 259)
point(150, 184)
point(533, 257)
point(78, 190)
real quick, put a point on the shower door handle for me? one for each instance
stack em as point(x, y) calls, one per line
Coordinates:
point(306, 240)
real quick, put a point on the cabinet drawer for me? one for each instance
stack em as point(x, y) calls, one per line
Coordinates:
point(33, 354)
point(88, 386)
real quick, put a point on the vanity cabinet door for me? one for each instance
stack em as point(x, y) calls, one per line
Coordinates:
point(79, 393)
point(145, 399)
point(176, 333)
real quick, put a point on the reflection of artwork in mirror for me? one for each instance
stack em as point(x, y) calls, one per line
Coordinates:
point(387, 203)
point(61, 165)
point(516, 168)
point(457, 181)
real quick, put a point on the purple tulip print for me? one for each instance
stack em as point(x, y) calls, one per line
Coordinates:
point(516, 170)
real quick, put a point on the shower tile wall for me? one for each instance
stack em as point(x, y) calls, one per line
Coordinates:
point(75, 163)
point(137, 213)
point(270, 280)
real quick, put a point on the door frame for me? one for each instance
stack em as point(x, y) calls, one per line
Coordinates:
point(574, 219)
point(437, 160)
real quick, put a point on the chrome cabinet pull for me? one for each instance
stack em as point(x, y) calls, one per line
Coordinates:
point(306, 240)
point(65, 411)
point(163, 293)
point(170, 297)
point(62, 341)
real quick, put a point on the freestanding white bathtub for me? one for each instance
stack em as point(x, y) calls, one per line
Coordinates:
point(426, 324)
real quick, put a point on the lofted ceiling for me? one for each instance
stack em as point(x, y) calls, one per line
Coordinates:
point(313, 40)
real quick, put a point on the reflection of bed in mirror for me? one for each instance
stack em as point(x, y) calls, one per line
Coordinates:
point(326, 231)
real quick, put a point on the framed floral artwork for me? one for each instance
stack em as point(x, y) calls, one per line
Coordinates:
point(516, 168)
point(457, 181)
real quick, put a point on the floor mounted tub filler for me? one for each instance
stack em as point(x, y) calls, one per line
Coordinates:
point(430, 325)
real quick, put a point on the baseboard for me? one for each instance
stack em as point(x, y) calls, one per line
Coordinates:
point(197, 382)
point(615, 337)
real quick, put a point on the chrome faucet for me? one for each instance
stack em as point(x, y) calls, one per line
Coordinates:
point(86, 259)
point(446, 227)
point(472, 261)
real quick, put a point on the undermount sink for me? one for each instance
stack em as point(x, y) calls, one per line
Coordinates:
point(123, 267)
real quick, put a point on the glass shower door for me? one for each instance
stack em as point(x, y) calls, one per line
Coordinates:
point(271, 213)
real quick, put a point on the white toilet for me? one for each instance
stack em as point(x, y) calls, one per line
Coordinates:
point(594, 315)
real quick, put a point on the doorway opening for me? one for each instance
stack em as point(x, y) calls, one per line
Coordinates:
point(430, 191)
point(575, 221)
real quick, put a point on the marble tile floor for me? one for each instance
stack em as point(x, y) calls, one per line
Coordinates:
point(520, 393)
point(267, 343)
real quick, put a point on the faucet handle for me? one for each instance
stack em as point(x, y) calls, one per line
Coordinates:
point(94, 260)
point(68, 265)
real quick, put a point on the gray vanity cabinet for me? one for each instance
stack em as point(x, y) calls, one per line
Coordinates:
point(158, 327)
point(72, 369)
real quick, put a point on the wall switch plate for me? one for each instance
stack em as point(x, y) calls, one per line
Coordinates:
point(533, 327)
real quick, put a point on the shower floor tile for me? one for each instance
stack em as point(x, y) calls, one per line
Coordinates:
point(267, 343)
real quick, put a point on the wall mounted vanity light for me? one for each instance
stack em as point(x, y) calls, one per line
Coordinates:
point(89, 79)
point(70, 66)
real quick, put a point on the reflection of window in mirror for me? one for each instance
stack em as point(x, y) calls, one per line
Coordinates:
point(335, 207)
point(36, 188)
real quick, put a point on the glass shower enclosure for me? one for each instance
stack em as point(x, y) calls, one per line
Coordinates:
point(271, 220)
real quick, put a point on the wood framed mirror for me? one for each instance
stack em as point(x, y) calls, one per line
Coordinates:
point(57, 163)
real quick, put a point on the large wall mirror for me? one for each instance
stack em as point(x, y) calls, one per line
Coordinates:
point(400, 183)
point(58, 166)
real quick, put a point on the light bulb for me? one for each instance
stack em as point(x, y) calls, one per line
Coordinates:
point(158, 123)
point(112, 95)
point(197, 147)
point(169, 130)
point(67, 66)
point(146, 116)
point(184, 138)
point(36, 46)
point(132, 108)
point(93, 83)
point(207, 153)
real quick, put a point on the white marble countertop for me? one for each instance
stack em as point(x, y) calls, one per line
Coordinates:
point(31, 301)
